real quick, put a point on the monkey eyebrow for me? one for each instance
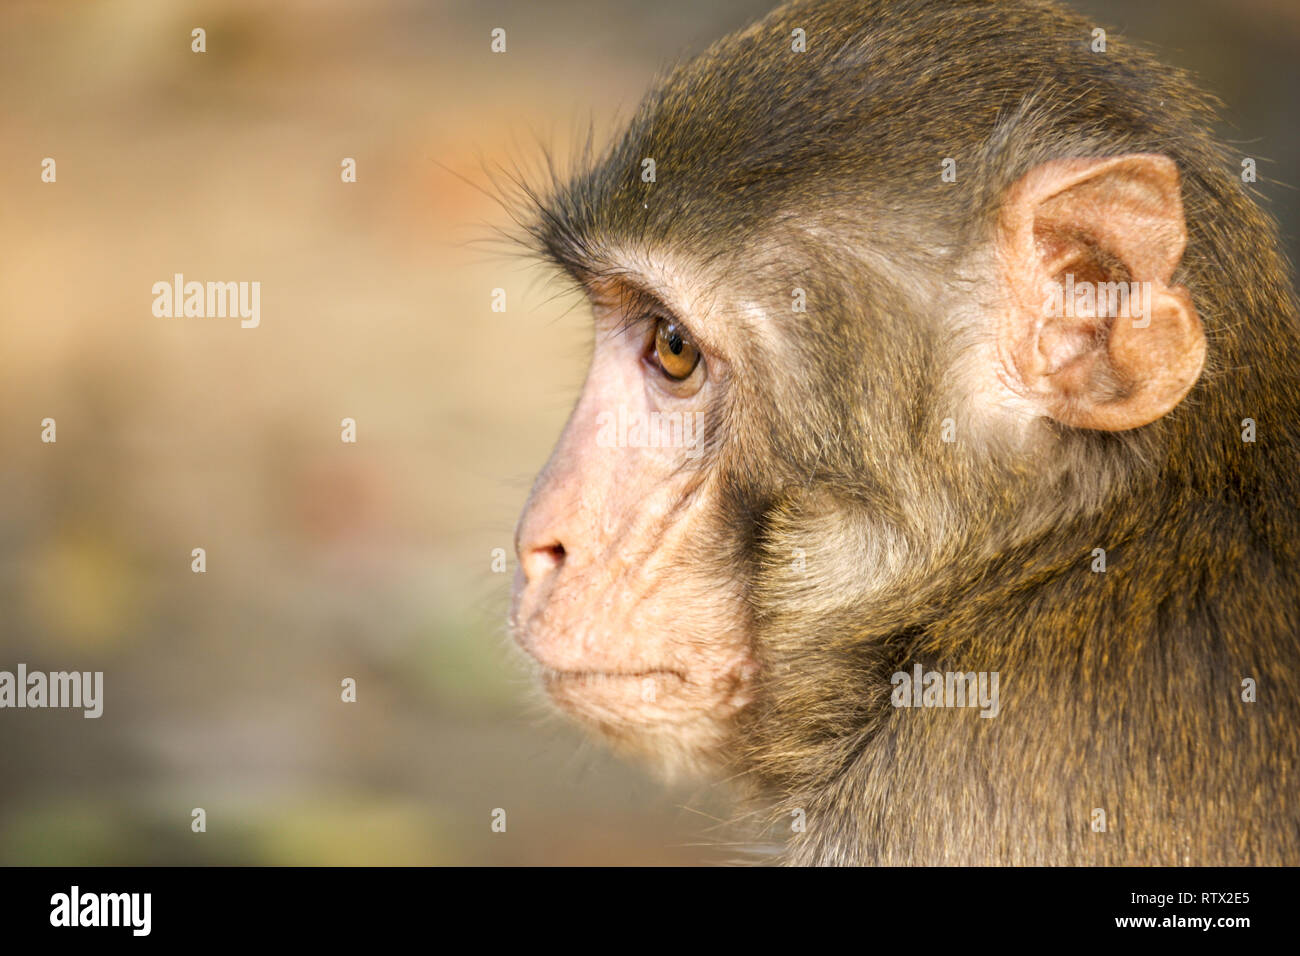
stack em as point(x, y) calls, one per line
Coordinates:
point(625, 294)
point(610, 278)
point(619, 289)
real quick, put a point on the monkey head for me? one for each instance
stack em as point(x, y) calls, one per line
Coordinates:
point(827, 391)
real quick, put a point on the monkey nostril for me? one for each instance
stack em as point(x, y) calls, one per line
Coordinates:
point(539, 561)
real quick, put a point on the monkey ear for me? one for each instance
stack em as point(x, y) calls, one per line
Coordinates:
point(1092, 331)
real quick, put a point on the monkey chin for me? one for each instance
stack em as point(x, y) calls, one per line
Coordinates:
point(678, 728)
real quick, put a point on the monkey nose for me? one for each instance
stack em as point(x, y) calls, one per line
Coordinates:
point(538, 562)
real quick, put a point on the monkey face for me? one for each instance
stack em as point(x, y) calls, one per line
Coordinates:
point(622, 597)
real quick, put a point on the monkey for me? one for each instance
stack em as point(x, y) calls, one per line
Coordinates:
point(915, 456)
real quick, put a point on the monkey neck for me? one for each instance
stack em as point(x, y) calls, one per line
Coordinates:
point(1202, 573)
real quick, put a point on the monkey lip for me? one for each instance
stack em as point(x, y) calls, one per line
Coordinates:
point(625, 698)
point(551, 675)
point(556, 677)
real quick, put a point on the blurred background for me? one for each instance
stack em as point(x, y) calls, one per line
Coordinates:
point(328, 560)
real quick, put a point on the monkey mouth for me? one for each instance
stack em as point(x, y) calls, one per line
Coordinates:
point(555, 677)
point(620, 703)
point(552, 676)
point(625, 698)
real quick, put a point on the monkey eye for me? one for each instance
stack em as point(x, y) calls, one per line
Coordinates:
point(674, 353)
